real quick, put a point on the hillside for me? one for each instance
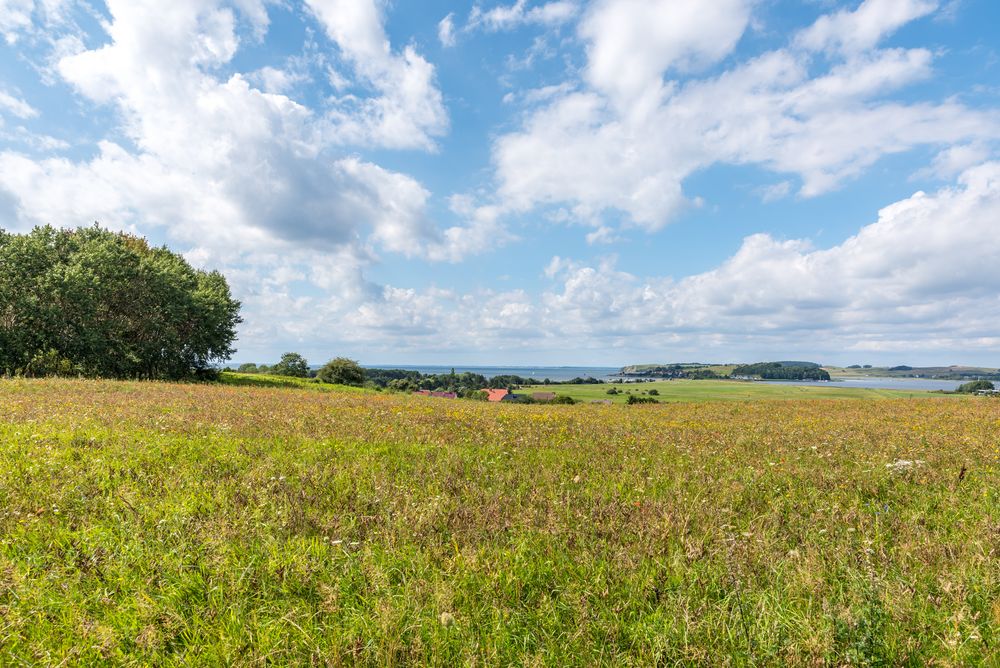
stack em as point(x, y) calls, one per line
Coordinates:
point(163, 524)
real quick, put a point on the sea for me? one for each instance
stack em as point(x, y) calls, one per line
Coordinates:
point(563, 373)
point(539, 373)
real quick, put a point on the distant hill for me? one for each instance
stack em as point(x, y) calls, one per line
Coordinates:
point(954, 372)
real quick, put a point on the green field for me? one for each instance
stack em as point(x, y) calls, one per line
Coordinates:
point(182, 524)
point(720, 390)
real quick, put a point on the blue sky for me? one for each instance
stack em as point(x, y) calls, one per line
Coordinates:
point(534, 182)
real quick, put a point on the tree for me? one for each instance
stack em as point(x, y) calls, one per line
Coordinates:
point(291, 364)
point(975, 386)
point(342, 371)
point(249, 367)
point(93, 302)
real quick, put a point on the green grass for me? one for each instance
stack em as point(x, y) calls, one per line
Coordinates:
point(721, 390)
point(235, 379)
point(193, 524)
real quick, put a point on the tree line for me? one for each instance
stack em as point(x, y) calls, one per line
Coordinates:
point(344, 371)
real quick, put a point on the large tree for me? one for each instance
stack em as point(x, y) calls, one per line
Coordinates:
point(99, 303)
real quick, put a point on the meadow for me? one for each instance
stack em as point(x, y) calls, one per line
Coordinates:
point(197, 524)
point(719, 390)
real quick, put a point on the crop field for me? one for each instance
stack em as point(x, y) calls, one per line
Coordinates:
point(720, 390)
point(165, 524)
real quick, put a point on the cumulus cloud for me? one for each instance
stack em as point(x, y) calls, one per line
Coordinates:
point(216, 162)
point(631, 43)
point(893, 286)
point(628, 139)
point(408, 111)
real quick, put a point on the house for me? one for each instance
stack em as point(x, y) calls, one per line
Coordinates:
point(496, 395)
point(439, 395)
point(544, 396)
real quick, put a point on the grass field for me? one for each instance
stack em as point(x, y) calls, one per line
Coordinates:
point(162, 524)
point(721, 390)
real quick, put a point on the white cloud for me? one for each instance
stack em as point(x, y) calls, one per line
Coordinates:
point(277, 80)
point(628, 141)
point(408, 111)
point(775, 192)
point(508, 17)
point(15, 16)
point(853, 31)
point(16, 106)
point(220, 164)
point(631, 43)
point(894, 286)
point(446, 30)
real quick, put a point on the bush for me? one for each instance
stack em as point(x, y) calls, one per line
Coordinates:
point(342, 371)
point(613, 390)
point(633, 399)
point(655, 392)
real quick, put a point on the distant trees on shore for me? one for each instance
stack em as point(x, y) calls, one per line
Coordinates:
point(780, 371)
point(91, 302)
point(975, 386)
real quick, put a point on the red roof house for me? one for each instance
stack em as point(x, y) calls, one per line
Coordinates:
point(495, 395)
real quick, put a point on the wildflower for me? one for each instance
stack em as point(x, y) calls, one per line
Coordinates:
point(901, 465)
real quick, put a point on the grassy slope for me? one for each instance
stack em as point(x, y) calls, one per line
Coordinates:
point(159, 524)
point(722, 390)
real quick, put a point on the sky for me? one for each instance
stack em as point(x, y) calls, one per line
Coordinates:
point(537, 182)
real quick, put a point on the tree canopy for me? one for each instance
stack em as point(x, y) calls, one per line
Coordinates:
point(93, 302)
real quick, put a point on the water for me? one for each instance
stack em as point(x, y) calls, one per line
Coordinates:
point(539, 373)
point(563, 373)
point(880, 383)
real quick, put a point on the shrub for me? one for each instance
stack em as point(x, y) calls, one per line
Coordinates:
point(342, 371)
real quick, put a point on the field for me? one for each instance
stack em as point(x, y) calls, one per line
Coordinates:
point(720, 390)
point(162, 524)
